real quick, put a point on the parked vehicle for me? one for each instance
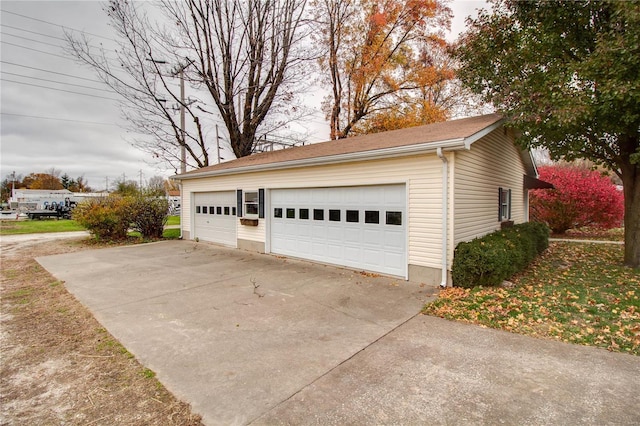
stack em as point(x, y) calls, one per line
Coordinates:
point(54, 210)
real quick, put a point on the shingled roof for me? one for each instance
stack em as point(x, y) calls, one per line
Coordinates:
point(428, 136)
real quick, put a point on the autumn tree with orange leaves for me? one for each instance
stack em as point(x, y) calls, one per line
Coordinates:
point(385, 62)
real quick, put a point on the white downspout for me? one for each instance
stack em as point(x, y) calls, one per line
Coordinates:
point(445, 213)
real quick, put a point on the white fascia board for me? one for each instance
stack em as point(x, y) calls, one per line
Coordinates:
point(527, 155)
point(482, 133)
point(449, 145)
point(530, 162)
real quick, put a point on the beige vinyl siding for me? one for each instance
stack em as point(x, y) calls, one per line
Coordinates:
point(252, 233)
point(421, 173)
point(493, 162)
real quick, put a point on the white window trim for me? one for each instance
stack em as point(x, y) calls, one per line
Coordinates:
point(505, 203)
point(245, 204)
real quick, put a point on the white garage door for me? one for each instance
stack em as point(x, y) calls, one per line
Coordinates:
point(215, 217)
point(360, 227)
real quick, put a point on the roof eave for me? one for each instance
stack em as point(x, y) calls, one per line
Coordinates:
point(482, 133)
point(424, 148)
point(529, 162)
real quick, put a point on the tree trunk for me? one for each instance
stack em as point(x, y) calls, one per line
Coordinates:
point(244, 144)
point(631, 182)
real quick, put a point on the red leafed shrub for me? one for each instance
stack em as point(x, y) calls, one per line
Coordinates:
point(581, 198)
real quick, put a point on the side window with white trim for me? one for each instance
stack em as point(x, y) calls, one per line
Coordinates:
point(251, 203)
point(504, 204)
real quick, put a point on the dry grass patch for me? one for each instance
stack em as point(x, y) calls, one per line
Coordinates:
point(59, 366)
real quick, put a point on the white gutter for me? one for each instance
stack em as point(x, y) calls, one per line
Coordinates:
point(445, 214)
point(399, 151)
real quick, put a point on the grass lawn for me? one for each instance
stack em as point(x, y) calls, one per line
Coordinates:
point(574, 292)
point(169, 234)
point(615, 234)
point(173, 220)
point(12, 227)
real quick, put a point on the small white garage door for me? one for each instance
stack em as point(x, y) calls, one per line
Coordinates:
point(360, 227)
point(215, 217)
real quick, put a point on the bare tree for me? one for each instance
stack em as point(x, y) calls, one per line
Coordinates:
point(156, 185)
point(247, 55)
point(244, 58)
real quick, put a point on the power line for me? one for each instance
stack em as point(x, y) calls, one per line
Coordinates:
point(56, 25)
point(64, 28)
point(31, 39)
point(36, 50)
point(49, 44)
point(52, 72)
point(32, 32)
point(58, 82)
point(48, 36)
point(64, 74)
point(49, 53)
point(59, 119)
point(67, 75)
point(59, 90)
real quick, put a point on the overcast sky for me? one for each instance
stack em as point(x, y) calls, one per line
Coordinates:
point(77, 129)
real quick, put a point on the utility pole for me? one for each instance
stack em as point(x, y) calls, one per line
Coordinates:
point(140, 179)
point(180, 73)
point(183, 153)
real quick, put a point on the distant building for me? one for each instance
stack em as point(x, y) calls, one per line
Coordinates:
point(34, 199)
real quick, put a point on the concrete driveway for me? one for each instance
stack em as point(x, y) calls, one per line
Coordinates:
point(248, 338)
point(231, 332)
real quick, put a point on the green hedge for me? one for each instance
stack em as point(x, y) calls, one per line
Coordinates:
point(110, 218)
point(489, 260)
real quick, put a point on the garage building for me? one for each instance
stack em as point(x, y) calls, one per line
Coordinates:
point(395, 203)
